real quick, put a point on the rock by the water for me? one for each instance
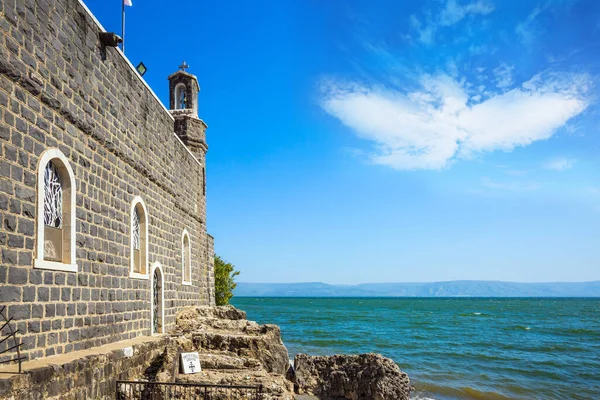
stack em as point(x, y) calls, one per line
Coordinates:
point(226, 329)
point(232, 351)
point(352, 377)
point(235, 351)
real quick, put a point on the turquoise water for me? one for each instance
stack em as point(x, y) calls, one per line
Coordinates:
point(454, 348)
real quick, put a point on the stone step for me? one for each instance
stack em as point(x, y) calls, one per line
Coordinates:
point(219, 361)
point(275, 387)
point(225, 331)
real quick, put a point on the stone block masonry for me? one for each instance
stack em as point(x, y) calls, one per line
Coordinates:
point(59, 89)
point(85, 374)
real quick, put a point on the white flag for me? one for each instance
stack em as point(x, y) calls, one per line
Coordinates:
point(127, 2)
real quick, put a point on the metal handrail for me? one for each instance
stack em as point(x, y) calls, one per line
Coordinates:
point(143, 390)
point(250, 387)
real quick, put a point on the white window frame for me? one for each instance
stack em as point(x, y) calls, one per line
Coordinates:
point(39, 262)
point(186, 258)
point(132, 274)
point(157, 265)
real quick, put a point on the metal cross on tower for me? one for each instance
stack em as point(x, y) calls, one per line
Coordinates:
point(184, 66)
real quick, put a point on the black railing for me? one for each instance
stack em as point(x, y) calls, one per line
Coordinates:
point(138, 390)
point(9, 341)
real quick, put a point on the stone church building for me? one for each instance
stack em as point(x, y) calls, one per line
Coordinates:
point(102, 188)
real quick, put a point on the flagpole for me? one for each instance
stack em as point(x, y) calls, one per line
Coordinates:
point(123, 25)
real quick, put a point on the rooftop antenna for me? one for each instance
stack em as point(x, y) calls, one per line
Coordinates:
point(123, 4)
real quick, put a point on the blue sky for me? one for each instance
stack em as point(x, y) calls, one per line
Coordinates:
point(390, 141)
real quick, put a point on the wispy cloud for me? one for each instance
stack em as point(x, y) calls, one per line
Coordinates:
point(454, 12)
point(513, 186)
point(593, 193)
point(425, 32)
point(430, 127)
point(559, 164)
point(482, 49)
point(451, 13)
point(503, 75)
point(527, 30)
point(512, 172)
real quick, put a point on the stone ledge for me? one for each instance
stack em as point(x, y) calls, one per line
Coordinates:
point(89, 372)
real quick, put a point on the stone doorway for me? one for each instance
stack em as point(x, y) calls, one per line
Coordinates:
point(157, 299)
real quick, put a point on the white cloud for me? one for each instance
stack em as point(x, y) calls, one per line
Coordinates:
point(503, 75)
point(559, 164)
point(432, 126)
point(453, 12)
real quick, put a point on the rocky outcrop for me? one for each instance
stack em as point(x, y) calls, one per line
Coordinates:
point(226, 330)
point(353, 377)
point(232, 351)
point(235, 351)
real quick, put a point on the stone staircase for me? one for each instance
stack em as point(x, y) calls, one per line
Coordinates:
point(232, 351)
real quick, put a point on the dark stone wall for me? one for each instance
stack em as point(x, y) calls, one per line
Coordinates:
point(210, 261)
point(60, 89)
point(88, 377)
point(191, 131)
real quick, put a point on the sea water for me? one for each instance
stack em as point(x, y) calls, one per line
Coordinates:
point(454, 348)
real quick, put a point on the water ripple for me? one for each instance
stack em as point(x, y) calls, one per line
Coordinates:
point(454, 348)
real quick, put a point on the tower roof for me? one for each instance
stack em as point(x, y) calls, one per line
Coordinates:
point(187, 75)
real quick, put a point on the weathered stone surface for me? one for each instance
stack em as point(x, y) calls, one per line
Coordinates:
point(85, 375)
point(190, 318)
point(353, 377)
point(232, 352)
point(225, 329)
point(60, 90)
point(275, 386)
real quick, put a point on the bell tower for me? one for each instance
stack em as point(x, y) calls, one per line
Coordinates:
point(183, 105)
point(183, 89)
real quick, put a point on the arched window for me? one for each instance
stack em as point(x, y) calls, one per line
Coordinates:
point(55, 213)
point(186, 258)
point(157, 298)
point(139, 239)
point(180, 97)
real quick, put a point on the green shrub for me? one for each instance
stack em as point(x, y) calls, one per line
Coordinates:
point(224, 281)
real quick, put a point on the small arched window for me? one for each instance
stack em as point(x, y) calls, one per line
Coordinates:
point(55, 213)
point(157, 296)
point(180, 97)
point(186, 258)
point(139, 239)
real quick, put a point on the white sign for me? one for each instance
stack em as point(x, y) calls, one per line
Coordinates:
point(190, 363)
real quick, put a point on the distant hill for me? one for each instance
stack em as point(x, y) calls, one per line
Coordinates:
point(431, 289)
